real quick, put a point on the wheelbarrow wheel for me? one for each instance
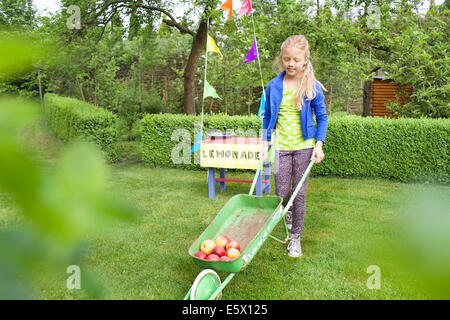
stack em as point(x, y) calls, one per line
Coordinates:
point(205, 285)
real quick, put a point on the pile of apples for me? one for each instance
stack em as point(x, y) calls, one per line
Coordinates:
point(223, 249)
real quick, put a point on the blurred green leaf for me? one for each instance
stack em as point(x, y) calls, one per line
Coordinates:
point(61, 207)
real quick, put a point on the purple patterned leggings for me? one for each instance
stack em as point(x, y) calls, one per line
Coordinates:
point(291, 166)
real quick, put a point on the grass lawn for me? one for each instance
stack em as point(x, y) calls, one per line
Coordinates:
point(347, 221)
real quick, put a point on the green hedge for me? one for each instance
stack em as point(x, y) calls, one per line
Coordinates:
point(409, 150)
point(402, 149)
point(73, 119)
point(157, 130)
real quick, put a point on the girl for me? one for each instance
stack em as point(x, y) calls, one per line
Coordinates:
point(291, 99)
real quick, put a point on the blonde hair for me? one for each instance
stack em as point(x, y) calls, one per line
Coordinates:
point(306, 86)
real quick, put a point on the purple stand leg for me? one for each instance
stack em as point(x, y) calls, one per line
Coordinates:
point(211, 183)
point(222, 175)
point(267, 177)
point(259, 185)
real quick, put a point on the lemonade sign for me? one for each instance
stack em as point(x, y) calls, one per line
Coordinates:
point(239, 153)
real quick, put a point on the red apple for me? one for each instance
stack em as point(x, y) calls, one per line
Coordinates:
point(207, 246)
point(201, 255)
point(218, 251)
point(225, 258)
point(222, 241)
point(233, 253)
point(213, 257)
point(233, 244)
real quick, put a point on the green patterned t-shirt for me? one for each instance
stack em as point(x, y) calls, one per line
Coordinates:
point(289, 131)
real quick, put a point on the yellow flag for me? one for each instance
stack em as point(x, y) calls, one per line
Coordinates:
point(211, 46)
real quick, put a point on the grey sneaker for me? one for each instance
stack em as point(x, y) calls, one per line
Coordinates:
point(288, 218)
point(294, 247)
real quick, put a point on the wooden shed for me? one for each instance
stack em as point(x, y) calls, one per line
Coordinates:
point(380, 92)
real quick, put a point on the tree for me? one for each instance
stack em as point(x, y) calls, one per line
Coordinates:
point(17, 14)
point(109, 56)
point(418, 60)
point(94, 14)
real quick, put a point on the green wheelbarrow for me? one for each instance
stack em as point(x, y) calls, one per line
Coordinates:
point(248, 219)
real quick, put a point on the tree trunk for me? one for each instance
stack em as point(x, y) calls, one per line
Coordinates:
point(191, 67)
point(40, 90)
point(366, 98)
point(95, 87)
point(81, 89)
point(348, 105)
point(250, 95)
point(225, 87)
point(231, 86)
point(140, 83)
point(165, 93)
point(150, 90)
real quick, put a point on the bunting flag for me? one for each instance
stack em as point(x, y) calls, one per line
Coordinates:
point(228, 5)
point(209, 91)
point(196, 145)
point(262, 106)
point(211, 46)
point(246, 8)
point(252, 54)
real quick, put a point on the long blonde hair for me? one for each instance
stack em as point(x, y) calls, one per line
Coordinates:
point(306, 86)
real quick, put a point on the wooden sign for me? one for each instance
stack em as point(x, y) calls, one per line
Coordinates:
point(239, 153)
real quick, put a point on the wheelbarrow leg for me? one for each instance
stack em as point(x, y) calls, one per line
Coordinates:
point(287, 232)
point(186, 297)
point(220, 288)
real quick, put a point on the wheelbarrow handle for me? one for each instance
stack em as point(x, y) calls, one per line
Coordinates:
point(258, 170)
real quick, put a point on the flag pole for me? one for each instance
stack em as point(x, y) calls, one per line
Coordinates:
point(206, 67)
point(203, 97)
point(257, 54)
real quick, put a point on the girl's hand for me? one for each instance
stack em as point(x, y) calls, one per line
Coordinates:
point(318, 152)
point(265, 150)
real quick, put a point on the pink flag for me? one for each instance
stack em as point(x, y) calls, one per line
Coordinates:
point(252, 54)
point(246, 8)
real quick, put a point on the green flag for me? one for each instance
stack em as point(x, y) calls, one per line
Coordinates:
point(210, 91)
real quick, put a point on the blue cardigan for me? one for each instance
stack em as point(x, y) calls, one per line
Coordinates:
point(274, 94)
